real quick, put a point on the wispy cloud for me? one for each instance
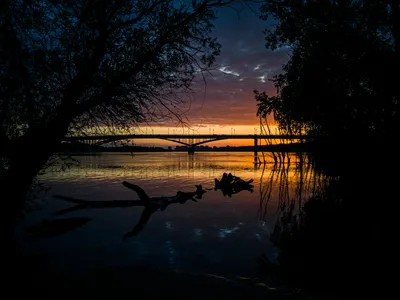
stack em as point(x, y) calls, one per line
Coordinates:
point(244, 65)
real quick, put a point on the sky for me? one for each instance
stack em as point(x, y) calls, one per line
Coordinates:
point(227, 103)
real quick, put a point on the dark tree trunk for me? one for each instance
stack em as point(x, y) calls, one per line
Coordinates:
point(14, 188)
point(395, 7)
point(25, 163)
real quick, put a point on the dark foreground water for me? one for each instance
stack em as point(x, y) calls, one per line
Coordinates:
point(219, 234)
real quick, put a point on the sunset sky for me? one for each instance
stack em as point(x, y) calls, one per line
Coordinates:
point(244, 65)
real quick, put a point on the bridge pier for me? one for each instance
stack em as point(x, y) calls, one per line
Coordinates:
point(190, 150)
point(255, 151)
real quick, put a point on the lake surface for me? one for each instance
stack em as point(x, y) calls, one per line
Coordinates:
point(219, 234)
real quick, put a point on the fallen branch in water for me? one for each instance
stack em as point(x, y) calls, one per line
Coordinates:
point(83, 204)
point(151, 204)
point(230, 184)
point(144, 199)
point(154, 204)
point(101, 203)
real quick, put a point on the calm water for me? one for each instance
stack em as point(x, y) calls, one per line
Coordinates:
point(218, 234)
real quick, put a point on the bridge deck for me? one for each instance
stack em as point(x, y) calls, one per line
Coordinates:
point(182, 136)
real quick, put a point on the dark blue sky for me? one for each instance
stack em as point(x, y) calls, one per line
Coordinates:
point(244, 65)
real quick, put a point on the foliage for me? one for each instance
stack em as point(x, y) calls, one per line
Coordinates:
point(328, 226)
point(66, 66)
point(342, 74)
point(107, 62)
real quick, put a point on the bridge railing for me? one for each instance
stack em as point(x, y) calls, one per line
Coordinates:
point(163, 136)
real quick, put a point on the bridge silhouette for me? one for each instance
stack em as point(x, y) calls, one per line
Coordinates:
point(189, 140)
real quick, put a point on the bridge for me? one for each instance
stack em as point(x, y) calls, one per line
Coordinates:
point(189, 140)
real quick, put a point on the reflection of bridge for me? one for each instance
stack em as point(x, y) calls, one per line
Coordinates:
point(188, 140)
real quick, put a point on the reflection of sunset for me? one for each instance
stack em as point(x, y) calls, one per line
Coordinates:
point(216, 221)
point(182, 171)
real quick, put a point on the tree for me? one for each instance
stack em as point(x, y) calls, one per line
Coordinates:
point(342, 74)
point(340, 83)
point(67, 65)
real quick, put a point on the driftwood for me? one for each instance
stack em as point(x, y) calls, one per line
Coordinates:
point(159, 203)
point(230, 184)
point(151, 204)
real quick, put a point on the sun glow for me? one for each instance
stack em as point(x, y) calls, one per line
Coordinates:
point(191, 131)
point(194, 130)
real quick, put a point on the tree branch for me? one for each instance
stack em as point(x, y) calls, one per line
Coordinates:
point(138, 18)
point(79, 83)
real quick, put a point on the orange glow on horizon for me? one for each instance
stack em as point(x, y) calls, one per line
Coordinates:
point(190, 131)
point(217, 129)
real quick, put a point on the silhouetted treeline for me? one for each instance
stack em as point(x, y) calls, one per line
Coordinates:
point(82, 66)
point(330, 226)
point(340, 86)
point(341, 81)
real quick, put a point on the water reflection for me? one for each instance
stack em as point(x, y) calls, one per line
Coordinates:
point(51, 228)
point(291, 181)
point(155, 166)
point(161, 203)
point(313, 228)
point(151, 205)
point(287, 179)
point(201, 235)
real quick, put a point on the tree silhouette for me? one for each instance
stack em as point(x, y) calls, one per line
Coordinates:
point(340, 85)
point(67, 66)
point(341, 77)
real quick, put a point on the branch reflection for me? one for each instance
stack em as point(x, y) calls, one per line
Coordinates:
point(151, 205)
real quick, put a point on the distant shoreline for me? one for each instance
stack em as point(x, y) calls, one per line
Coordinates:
point(82, 149)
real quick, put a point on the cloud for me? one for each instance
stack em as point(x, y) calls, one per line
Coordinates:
point(226, 71)
point(244, 65)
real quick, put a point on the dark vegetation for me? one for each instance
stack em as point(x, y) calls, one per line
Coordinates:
point(329, 237)
point(72, 66)
point(338, 87)
point(67, 66)
point(340, 80)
